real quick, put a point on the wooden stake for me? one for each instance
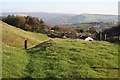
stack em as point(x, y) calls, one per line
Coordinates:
point(105, 37)
point(100, 36)
point(25, 43)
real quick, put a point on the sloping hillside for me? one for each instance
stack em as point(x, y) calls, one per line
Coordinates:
point(68, 58)
point(58, 58)
point(14, 37)
point(14, 57)
point(14, 62)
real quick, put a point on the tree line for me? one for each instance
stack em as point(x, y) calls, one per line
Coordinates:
point(35, 24)
point(27, 23)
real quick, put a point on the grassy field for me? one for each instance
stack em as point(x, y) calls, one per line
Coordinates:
point(14, 57)
point(67, 58)
point(61, 58)
point(14, 37)
point(14, 62)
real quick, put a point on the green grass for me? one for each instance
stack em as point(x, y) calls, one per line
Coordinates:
point(74, 59)
point(14, 57)
point(14, 62)
point(14, 37)
point(63, 58)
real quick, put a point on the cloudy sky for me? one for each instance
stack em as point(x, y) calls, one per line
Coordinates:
point(61, 6)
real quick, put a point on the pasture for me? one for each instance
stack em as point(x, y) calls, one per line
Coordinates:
point(60, 58)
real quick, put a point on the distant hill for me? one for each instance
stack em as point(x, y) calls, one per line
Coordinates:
point(44, 15)
point(83, 18)
point(62, 19)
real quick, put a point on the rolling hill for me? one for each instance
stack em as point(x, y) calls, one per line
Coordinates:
point(44, 15)
point(57, 58)
point(83, 18)
point(14, 57)
point(14, 37)
point(69, 58)
point(63, 19)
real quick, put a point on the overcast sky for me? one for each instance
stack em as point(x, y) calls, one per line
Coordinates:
point(61, 6)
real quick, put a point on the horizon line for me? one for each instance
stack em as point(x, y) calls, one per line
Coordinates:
point(60, 13)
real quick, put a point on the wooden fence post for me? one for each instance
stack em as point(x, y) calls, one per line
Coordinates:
point(100, 36)
point(25, 43)
point(105, 37)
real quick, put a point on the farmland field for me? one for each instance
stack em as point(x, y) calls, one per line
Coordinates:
point(59, 58)
point(74, 59)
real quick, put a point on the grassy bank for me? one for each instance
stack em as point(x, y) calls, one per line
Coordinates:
point(74, 59)
point(59, 58)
